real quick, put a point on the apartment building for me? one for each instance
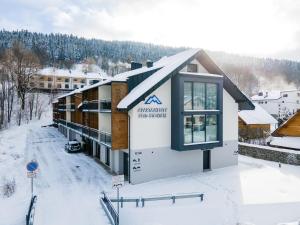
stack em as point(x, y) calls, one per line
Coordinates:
point(280, 104)
point(176, 116)
point(61, 79)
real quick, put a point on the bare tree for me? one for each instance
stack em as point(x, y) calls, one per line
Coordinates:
point(23, 64)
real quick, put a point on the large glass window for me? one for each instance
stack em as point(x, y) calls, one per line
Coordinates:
point(211, 96)
point(200, 128)
point(200, 96)
point(201, 109)
point(188, 95)
point(188, 129)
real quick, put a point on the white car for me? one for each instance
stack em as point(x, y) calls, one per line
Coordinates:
point(73, 146)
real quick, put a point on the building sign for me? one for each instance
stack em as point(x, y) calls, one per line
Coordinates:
point(136, 162)
point(156, 110)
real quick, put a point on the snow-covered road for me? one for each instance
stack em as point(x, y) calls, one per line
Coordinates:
point(68, 186)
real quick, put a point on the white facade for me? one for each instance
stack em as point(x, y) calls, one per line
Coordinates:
point(151, 153)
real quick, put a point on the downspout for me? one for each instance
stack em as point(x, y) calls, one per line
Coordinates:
point(129, 151)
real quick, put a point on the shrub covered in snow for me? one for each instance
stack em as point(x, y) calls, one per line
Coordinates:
point(8, 187)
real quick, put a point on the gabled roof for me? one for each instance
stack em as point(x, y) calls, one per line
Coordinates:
point(291, 124)
point(171, 66)
point(257, 116)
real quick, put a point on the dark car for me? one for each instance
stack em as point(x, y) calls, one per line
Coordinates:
point(73, 146)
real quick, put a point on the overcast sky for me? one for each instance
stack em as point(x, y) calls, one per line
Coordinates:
point(268, 28)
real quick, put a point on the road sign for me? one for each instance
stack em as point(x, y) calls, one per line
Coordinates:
point(118, 181)
point(32, 166)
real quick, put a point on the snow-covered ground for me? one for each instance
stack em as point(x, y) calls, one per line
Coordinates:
point(255, 192)
point(68, 188)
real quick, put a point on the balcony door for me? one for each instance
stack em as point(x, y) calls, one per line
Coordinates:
point(206, 160)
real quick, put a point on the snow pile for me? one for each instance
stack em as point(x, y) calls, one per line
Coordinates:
point(257, 116)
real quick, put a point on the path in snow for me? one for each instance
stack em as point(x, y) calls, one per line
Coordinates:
point(68, 185)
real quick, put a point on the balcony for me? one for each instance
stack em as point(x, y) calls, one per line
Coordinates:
point(105, 106)
point(90, 106)
point(105, 138)
point(61, 107)
point(62, 121)
point(70, 107)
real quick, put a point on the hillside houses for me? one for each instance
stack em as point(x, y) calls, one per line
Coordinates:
point(280, 104)
point(52, 78)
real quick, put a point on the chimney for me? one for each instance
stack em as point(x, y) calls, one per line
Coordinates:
point(149, 63)
point(135, 65)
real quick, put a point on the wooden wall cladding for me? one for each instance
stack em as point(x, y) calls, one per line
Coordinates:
point(291, 127)
point(119, 124)
point(90, 94)
point(90, 119)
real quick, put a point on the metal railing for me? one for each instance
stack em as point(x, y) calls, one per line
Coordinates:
point(105, 138)
point(61, 107)
point(31, 210)
point(70, 107)
point(105, 105)
point(109, 209)
point(158, 198)
point(90, 105)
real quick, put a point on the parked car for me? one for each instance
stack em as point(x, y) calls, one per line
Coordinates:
point(73, 146)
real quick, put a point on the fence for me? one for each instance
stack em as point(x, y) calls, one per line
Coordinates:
point(158, 198)
point(31, 210)
point(109, 209)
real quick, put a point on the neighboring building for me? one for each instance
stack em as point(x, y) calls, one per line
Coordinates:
point(280, 104)
point(176, 116)
point(62, 79)
point(257, 123)
point(288, 134)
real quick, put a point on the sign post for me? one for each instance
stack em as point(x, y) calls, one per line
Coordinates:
point(32, 168)
point(117, 182)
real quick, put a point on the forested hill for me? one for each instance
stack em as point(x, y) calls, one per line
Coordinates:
point(249, 73)
point(51, 48)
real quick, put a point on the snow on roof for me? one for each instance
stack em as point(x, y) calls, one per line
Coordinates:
point(257, 116)
point(71, 93)
point(287, 142)
point(55, 101)
point(266, 95)
point(168, 66)
point(77, 72)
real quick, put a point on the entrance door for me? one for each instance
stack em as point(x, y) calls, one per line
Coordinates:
point(206, 160)
point(107, 153)
point(125, 164)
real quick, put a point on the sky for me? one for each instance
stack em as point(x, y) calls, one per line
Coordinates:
point(263, 28)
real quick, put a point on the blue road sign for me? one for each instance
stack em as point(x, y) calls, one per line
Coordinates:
point(32, 166)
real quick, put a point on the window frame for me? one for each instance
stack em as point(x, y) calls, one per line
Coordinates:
point(179, 112)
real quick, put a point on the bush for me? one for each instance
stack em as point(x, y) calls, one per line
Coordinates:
point(8, 187)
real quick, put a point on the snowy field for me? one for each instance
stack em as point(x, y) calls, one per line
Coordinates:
point(68, 187)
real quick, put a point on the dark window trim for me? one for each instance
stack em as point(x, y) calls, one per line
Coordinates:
point(178, 112)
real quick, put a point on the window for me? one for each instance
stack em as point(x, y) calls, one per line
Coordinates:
point(75, 86)
point(200, 96)
point(67, 80)
point(266, 102)
point(192, 68)
point(49, 85)
point(49, 78)
point(83, 81)
point(285, 95)
point(82, 86)
point(58, 85)
point(41, 85)
point(201, 101)
point(66, 86)
point(75, 80)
